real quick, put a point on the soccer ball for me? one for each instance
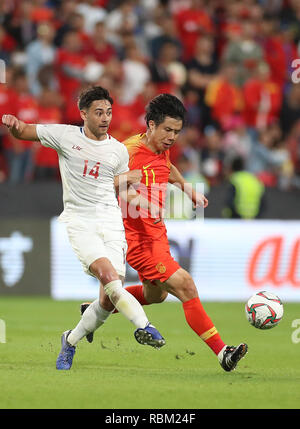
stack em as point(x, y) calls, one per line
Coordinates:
point(264, 310)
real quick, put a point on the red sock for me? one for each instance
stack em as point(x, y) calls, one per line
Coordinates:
point(199, 321)
point(137, 292)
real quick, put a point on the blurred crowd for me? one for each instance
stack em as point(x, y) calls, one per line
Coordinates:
point(230, 62)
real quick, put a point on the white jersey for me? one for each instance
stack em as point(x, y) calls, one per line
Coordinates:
point(87, 169)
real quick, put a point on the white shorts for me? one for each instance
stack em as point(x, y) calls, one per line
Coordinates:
point(93, 240)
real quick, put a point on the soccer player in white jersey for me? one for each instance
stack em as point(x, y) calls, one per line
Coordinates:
point(91, 162)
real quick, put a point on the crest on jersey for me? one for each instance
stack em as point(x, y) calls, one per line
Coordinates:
point(161, 268)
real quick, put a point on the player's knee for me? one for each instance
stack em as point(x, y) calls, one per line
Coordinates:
point(105, 276)
point(104, 271)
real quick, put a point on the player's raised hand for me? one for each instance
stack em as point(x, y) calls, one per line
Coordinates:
point(10, 121)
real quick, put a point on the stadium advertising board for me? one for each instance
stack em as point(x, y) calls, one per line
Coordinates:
point(24, 257)
point(228, 259)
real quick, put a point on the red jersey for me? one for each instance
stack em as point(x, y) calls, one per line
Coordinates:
point(153, 186)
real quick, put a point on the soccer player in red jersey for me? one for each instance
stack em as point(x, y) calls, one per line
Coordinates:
point(148, 247)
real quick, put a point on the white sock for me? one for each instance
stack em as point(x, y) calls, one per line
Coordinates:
point(93, 317)
point(126, 303)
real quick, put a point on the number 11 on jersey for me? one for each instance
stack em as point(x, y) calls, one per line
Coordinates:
point(147, 175)
point(93, 172)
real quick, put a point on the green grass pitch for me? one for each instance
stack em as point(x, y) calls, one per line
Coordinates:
point(116, 372)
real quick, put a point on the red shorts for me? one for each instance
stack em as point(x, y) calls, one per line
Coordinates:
point(152, 259)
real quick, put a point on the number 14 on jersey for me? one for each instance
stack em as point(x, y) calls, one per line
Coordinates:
point(93, 172)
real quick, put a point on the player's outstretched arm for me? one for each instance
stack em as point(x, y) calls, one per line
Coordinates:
point(178, 180)
point(19, 129)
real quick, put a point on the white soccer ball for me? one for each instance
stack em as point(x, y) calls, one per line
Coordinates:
point(264, 310)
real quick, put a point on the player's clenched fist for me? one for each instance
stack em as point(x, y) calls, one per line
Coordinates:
point(131, 178)
point(125, 180)
point(20, 129)
point(11, 121)
point(134, 176)
point(199, 200)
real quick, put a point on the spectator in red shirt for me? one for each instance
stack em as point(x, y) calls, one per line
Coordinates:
point(191, 23)
point(46, 159)
point(98, 48)
point(70, 64)
point(274, 50)
point(19, 152)
point(263, 98)
point(6, 97)
point(223, 97)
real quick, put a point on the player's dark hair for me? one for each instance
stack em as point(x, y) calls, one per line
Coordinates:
point(91, 94)
point(162, 106)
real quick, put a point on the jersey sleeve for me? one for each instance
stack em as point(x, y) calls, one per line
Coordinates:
point(51, 135)
point(124, 160)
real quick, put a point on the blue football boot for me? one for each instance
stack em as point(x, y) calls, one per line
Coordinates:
point(149, 336)
point(66, 355)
